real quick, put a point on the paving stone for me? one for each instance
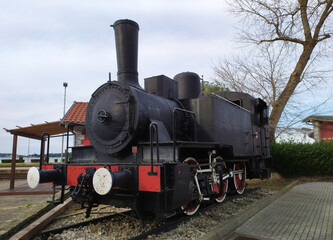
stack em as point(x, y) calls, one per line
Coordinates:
point(16, 210)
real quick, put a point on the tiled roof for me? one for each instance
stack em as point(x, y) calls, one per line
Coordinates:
point(76, 114)
point(314, 118)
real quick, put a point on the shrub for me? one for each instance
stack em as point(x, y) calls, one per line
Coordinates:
point(6, 160)
point(297, 159)
point(20, 160)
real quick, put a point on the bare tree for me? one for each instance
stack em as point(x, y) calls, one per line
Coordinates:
point(287, 34)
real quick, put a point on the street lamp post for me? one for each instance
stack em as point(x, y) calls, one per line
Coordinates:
point(65, 84)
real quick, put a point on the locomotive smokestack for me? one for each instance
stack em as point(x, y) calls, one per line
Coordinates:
point(126, 34)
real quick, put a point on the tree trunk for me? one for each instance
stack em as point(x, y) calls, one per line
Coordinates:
point(294, 80)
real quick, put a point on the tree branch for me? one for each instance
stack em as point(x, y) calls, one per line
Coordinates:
point(327, 11)
point(283, 38)
point(292, 26)
point(305, 21)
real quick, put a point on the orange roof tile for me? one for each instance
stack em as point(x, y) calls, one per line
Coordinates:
point(76, 114)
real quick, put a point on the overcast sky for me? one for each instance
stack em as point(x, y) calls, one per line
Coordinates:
point(46, 43)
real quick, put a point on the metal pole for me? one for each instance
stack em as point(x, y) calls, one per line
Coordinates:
point(65, 84)
point(29, 150)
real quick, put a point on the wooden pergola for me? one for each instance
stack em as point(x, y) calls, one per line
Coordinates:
point(33, 131)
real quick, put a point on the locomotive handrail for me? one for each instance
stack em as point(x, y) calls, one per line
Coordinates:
point(67, 146)
point(153, 128)
point(174, 127)
point(42, 147)
point(227, 100)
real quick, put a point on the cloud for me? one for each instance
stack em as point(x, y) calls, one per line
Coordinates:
point(46, 43)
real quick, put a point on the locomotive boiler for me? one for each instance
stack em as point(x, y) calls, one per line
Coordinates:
point(165, 148)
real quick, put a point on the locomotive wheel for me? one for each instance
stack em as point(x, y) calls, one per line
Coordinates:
point(216, 186)
point(192, 207)
point(239, 177)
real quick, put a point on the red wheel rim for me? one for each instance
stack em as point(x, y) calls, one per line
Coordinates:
point(216, 186)
point(239, 177)
point(193, 206)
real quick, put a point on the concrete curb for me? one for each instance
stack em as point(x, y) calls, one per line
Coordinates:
point(223, 230)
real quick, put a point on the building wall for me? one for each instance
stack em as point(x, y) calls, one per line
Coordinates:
point(316, 131)
point(326, 131)
point(81, 138)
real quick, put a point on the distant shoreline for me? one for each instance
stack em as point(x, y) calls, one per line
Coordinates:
point(9, 155)
point(28, 159)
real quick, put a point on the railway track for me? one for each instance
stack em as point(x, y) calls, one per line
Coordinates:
point(174, 222)
point(158, 227)
point(45, 234)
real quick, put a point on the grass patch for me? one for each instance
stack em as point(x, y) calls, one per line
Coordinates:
point(275, 182)
point(19, 164)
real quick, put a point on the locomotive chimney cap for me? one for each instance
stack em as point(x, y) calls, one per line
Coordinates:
point(125, 21)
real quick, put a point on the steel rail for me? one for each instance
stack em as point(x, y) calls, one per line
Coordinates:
point(173, 222)
point(46, 233)
point(169, 225)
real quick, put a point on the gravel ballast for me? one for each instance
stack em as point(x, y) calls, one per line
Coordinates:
point(122, 227)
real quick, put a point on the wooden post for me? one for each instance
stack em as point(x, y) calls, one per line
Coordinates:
point(12, 173)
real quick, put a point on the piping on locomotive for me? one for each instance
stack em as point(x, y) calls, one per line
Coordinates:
point(165, 148)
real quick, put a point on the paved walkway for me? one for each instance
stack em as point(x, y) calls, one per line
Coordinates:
point(5, 184)
point(17, 208)
point(305, 212)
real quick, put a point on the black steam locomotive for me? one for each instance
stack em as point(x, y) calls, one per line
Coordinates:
point(162, 149)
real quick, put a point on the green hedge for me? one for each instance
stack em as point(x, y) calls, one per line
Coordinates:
point(10, 160)
point(297, 159)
